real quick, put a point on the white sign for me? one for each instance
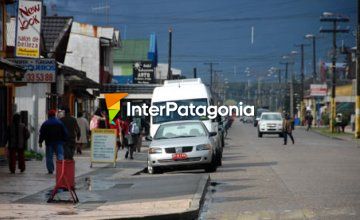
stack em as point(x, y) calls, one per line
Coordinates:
point(28, 29)
point(318, 90)
point(103, 146)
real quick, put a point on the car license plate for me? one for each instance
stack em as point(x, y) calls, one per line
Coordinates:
point(179, 156)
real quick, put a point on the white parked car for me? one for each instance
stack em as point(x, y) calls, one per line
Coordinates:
point(182, 144)
point(270, 123)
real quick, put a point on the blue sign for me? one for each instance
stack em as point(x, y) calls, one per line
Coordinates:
point(38, 70)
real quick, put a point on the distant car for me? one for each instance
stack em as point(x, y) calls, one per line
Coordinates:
point(247, 119)
point(258, 115)
point(270, 123)
point(182, 144)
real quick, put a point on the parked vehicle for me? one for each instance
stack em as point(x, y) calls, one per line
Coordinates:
point(259, 111)
point(270, 123)
point(182, 144)
point(246, 119)
point(185, 92)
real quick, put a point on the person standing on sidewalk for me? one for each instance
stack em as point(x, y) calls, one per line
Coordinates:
point(73, 132)
point(115, 124)
point(287, 129)
point(84, 132)
point(16, 137)
point(309, 119)
point(54, 133)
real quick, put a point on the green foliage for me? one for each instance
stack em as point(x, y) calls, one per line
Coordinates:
point(325, 119)
point(32, 155)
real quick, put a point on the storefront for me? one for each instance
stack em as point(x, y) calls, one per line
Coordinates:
point(9, 72)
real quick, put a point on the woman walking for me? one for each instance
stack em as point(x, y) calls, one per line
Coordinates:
point(84, 133)
point(16, 137)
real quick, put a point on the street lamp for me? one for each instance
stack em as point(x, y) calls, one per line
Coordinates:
point(334, 19)
point(288, 59)
point(313, 39)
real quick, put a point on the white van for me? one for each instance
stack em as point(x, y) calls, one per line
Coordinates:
point(184, 92)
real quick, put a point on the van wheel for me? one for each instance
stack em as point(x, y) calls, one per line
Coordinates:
point(281, 135)
point(210, 168)
point(260, 134)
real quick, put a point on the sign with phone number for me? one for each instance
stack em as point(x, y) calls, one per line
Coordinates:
point(37, 70)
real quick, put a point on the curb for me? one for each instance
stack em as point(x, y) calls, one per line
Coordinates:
point(324, 135)
point(192, 212)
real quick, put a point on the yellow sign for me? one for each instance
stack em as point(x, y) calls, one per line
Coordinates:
point(103, 146)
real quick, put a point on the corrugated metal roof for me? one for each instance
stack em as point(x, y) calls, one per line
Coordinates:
point(132, 50)
point(90, 30)
point(53, 28)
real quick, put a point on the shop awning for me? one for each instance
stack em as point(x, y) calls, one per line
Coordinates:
point(76, 78)
point(8, 65)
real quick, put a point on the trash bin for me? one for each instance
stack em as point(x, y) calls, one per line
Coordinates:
point(65, 174)
point(65, 179)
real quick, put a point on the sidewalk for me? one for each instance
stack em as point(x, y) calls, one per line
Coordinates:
point(348, 135)
point(35, 178)
point(104, 192)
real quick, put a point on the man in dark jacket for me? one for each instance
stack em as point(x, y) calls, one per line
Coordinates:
point(73, 131)
point(54, 133)
point(16, 137)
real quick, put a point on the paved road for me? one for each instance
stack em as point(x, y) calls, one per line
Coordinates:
point(317, 178)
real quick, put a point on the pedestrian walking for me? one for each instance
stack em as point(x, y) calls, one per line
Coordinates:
point(309, 119)
point(287, 129)
point(84, 133)
point(15, 137)
point(141, 125)
point(73, 133)
point(54, 133)
point(99, 120)
point(129, 140)
point(135, 132)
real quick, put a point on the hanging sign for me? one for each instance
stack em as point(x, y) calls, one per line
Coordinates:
point(28, 29)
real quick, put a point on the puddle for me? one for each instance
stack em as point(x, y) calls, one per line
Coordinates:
point(91, 205)
point(66, 213)
point(11, 193)
point(92, 183)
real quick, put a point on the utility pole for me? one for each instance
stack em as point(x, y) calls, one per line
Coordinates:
point(259, 104)
point(169, 74)
point(357, 110)
point(335, 19)
point(248, 91)
point(211, 73)
point(195, 73)
point(286, 100)
point(302, 104)
point(278, 105)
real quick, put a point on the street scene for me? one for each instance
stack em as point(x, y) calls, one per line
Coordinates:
point(199, 110)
